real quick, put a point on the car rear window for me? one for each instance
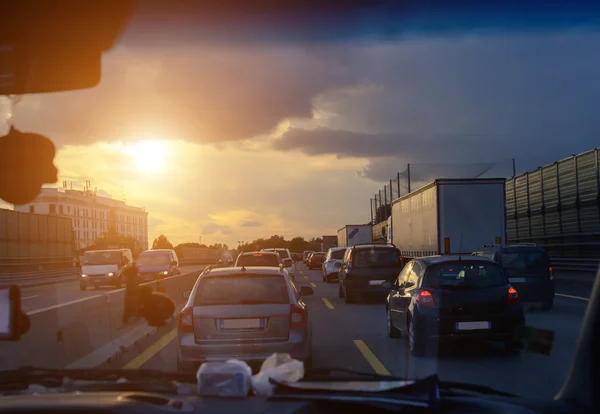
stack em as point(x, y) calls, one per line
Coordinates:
point(258, 259)
point(282, 253)
point(524, 262)
point(376, 258)
point(241, 290)
point(338, 254)
point(464, 275)
point(154, 259)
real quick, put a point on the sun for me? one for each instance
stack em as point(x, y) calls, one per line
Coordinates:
point(149, 155)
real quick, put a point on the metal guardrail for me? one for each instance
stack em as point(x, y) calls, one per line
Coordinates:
point(51, 276)
point(575, 264)
point(40, 277)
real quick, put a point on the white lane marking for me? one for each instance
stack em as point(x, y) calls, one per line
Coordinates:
point(29, 297)
point(60, 305)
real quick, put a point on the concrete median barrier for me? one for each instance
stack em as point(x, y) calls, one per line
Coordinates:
point(88, 332)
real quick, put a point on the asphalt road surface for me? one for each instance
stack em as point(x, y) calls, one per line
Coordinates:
point(38, 298)
point(354, 336)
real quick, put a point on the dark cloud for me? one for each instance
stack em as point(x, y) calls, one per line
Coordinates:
point(251, 223)
point(417, 100)
point(200, 94)
point(213, 228)
point(463, 100)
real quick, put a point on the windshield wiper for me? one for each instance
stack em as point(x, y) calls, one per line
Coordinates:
point(447, 388)
point(326, 374)
point(21, 378)
point(450, 387)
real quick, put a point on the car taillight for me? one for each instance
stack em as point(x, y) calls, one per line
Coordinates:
point(185, 322)
point(550, 275)
point(513, 296)
point(297, 317)
point(425, 298)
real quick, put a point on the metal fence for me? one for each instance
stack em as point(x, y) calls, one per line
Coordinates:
point(558, 207)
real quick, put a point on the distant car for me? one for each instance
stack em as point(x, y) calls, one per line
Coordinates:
point(366, 267)
point(447, 297)
point(286, 257)
point(297, 257)
point(157, 264)
point(316, 260)
point(305, 256)
point(226, 260)
point(333, 263)
point(528, 269)
point(246, 314)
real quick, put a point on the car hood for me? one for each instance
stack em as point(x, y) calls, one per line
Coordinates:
point(153, 269)
point(99, 269)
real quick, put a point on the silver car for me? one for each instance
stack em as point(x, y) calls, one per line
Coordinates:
point(333, 262)
point(243, 313)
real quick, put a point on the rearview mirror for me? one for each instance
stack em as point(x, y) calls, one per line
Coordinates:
point(174, 263)
point(13, 322)
point(387, 285)
point(288, 262)
point(186, 294)
point(306, 291)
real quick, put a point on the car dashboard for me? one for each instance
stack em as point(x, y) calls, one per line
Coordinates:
point(130, 402)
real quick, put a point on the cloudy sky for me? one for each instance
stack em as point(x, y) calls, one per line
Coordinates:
point(238, 142)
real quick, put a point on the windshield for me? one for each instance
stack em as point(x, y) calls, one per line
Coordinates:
point(464, 275)
point(154, 259)
point(409, 138)
point(376, 258)
point(338, 254)
point(102, 258)
point(243, 289)
point(269, 260)
point(525, 262)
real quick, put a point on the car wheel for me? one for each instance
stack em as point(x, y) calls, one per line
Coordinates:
point(182, 369)
point(511, 346)
point(416, 344)
point(347, 297)
point(392, 331)
point(82, 286)
point(548, 304)
point(308, 363)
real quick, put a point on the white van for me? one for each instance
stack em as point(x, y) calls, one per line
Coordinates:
point(104, 267)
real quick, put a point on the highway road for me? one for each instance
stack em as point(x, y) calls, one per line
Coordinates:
point(40, 298)
point(354, 336)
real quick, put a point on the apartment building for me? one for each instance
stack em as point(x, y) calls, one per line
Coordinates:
point(92, 215)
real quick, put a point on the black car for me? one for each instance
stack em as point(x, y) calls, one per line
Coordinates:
point(365, 268)
point(449, 297)
point(528, 269)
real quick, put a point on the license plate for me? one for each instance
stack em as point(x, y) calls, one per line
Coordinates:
point(376, 282)
point(241, 323)
point(471, 326)
point(517, 280)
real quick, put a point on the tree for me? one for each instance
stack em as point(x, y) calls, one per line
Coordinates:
point(161, 242)
point(298, 245)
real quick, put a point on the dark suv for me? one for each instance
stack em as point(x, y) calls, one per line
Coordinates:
point(365, 268)
point(527, 267)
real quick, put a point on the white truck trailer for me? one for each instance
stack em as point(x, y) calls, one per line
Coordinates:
point(450, 216)
point(350, 235)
